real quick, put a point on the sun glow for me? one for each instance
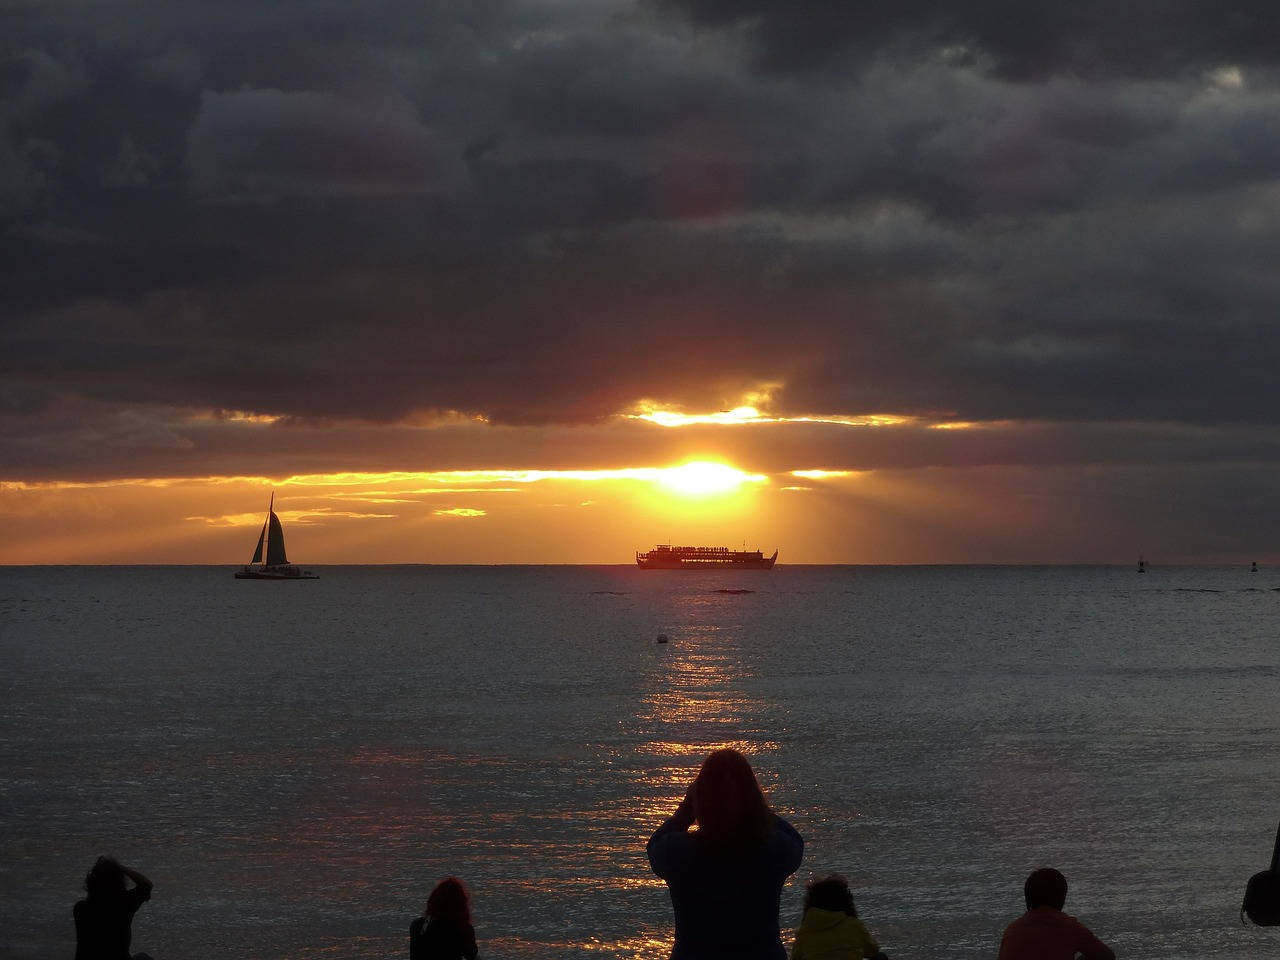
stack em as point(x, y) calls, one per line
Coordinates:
point(746, 414)
point(512, 514)
point(705, 478)
point(823, 474)
point(672, 418)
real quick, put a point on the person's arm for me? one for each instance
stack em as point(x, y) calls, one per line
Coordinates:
point(141, 891)
point(1004, 938)
point(793, 843)
point(138, 879)
point(469, 949)
point(870, 946)
point(1091, 948)
point(678, 822)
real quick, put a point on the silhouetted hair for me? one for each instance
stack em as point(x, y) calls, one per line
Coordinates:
point(451, 901)
point(1045, 887)
point(105, 878)
point(728, 803)
point(830, 893)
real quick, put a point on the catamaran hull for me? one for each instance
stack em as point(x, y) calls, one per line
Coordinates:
point(276, 575)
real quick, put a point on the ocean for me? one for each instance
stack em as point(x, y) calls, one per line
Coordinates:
point(295, 765)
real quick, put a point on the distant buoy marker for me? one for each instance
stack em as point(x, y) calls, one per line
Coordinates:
point(662, 638)
point(1142, 565)
point(1254, 568)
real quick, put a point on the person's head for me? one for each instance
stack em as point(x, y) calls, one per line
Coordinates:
point(451, 901)
point(730, 807)
point(105, 878)
point(1045, 887)
point(830, 893)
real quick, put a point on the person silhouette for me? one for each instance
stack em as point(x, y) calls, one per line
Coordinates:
point(104, 918)
point(444, 931)
point(1044, 932)
point(830, 928)
point(725, 879)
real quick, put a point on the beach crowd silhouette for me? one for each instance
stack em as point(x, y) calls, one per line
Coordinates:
point(725, 879)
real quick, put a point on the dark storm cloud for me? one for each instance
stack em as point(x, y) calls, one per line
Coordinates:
point(1129, 38)
point(541, 213)
point(262, 143)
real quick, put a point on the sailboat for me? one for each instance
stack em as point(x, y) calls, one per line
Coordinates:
point(269, 560)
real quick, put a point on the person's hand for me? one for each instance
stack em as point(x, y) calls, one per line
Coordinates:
point(689, 802)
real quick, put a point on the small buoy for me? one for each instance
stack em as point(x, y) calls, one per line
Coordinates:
point(1255, 566)
point(662, 638)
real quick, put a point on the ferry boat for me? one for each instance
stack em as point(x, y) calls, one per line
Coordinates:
point(666, 557)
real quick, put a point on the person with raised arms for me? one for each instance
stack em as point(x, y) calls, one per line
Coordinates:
point(726, 877)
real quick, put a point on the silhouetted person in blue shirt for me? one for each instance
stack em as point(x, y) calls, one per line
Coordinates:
point(104, 919)
point(726, 877)
point(444, 931)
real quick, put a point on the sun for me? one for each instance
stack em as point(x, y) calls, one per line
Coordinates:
point(705, 478)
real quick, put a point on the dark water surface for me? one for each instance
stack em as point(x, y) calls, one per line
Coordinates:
point(295, 764)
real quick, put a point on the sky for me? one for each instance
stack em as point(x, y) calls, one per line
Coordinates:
point(552, 281)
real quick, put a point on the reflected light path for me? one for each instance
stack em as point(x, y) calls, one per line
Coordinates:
point(697, 704)
point(691, 703)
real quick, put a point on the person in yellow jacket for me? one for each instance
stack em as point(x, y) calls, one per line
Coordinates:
point(830, 928)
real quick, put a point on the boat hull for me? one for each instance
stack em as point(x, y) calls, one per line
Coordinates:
point(765, 564)
point(276, 573)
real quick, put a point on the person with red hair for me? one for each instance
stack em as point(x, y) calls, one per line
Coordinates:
point(444, 931)
point(726, 877)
